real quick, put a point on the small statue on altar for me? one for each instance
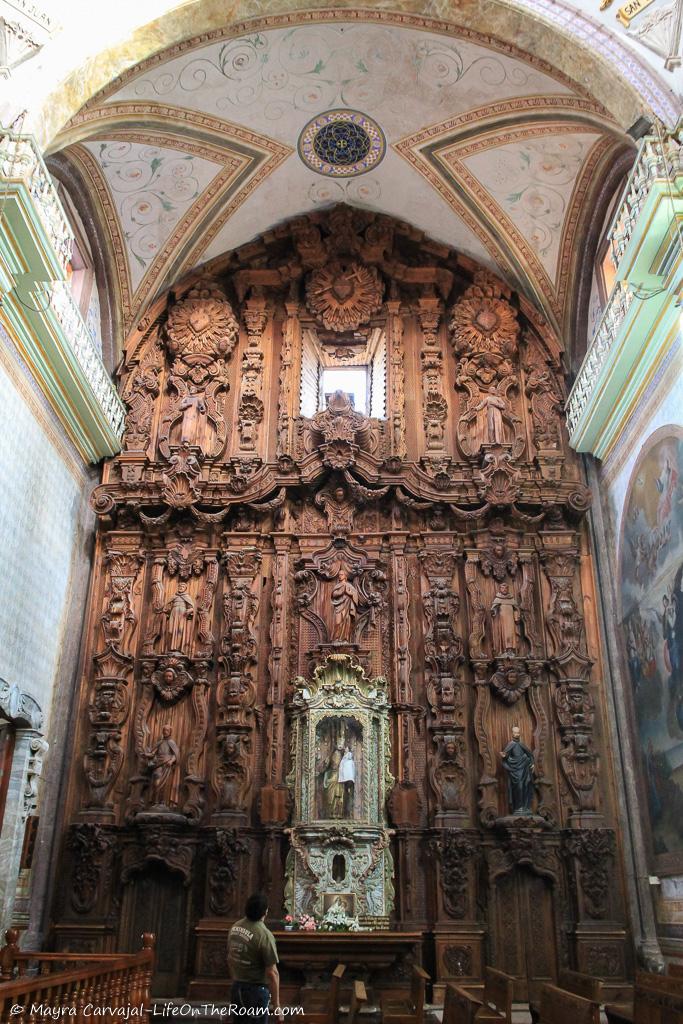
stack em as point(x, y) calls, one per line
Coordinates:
point(518, 762)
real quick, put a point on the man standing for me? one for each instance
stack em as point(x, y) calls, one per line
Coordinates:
point(252, 957)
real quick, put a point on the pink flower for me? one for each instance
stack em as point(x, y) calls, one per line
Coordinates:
point(289, 918)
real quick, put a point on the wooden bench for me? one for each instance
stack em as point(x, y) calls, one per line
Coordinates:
point(358, 997)
point(658, 999)
point(558, 1006)
point(459, 1006)
point(492, 1001)
point(323, 1007)
point(578, 984)
point(411, 1009)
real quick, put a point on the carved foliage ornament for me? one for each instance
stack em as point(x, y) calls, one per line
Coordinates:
point(344, 294)
point(483, 321)
point(201, 329)
point(454, 851)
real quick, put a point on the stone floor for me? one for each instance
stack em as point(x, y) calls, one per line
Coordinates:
point(210, 1013)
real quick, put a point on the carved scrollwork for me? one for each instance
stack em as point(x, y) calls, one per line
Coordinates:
point(454, 850)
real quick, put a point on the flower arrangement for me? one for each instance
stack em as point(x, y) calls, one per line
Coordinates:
point(337, 920)
point(305, 923)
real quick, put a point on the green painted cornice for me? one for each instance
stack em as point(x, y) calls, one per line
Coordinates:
point(642, 317)
point(37, 308)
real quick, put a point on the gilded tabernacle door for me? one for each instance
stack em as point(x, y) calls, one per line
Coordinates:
point(339, 780)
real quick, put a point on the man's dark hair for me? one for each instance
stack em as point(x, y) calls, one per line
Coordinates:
point(257, 904)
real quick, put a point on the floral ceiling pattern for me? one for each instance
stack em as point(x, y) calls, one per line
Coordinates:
point(491, 145)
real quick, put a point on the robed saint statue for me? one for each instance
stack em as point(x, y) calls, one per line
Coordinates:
point(518, 762)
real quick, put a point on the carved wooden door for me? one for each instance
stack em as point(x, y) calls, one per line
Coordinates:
point(157, 902)
point(523, 939)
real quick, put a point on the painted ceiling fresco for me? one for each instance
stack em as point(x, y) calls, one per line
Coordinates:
point(478, 144)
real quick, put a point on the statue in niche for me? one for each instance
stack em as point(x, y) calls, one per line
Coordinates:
point(180, 614)
point(490, 425)
point(448, 775)
point(333, 788)
point(232, 769)
point(505, 617)
point(338, 508)
point(339, 745)
point(518, 762)
point(347, 777)
point(345, 599)
point(163, 764)
point(193, 408)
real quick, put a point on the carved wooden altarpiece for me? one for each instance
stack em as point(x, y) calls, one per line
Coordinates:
point(253, 535)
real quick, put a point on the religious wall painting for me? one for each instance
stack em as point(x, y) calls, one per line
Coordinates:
point(651, 591)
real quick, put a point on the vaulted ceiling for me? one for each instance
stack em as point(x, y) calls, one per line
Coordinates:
point(487, 148)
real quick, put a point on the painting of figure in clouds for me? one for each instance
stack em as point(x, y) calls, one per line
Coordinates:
point(652, 623)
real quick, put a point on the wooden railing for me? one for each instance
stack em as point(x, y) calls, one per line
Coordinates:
point(75, 982)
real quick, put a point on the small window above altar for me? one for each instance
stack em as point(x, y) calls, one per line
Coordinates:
point(352, 380)
point(354, 363)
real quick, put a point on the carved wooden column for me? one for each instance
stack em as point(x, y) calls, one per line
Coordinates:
point(275, 798)
point(290, 365)
point(443, 646)
point(237, 686)
point(396, 379)
point(250, 407)
point(434, 404)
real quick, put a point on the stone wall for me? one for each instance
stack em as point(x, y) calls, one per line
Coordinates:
point(45, 536)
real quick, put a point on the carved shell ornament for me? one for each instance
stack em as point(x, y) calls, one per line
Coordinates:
point(343, 295)
point(201, 328)
point(483, 321)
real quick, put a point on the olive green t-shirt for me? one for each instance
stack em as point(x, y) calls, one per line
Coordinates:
point(251, 948)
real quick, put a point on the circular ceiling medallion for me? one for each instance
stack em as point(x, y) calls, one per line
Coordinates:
point(342, 143)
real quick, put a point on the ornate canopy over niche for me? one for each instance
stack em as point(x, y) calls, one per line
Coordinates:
point(339, 780)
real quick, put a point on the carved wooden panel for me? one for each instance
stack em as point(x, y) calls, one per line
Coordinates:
point(249, 530)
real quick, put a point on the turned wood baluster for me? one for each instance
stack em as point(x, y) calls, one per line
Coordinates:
point(148, 943)
point(8, 953)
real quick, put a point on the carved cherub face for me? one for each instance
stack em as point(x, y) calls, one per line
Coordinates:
point(339, 494)
point(169, 676)
point(449, 747)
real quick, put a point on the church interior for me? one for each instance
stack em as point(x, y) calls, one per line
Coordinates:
point(341, 506)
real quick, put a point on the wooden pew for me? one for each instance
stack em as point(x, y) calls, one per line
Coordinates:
point(411, 1009)
point(459, 1006)
point(323, 1007)
point(497, 996)
point(578, 984)
point(675, 970)
point(558, 1006)
point(658, 999)
point(358, 997)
